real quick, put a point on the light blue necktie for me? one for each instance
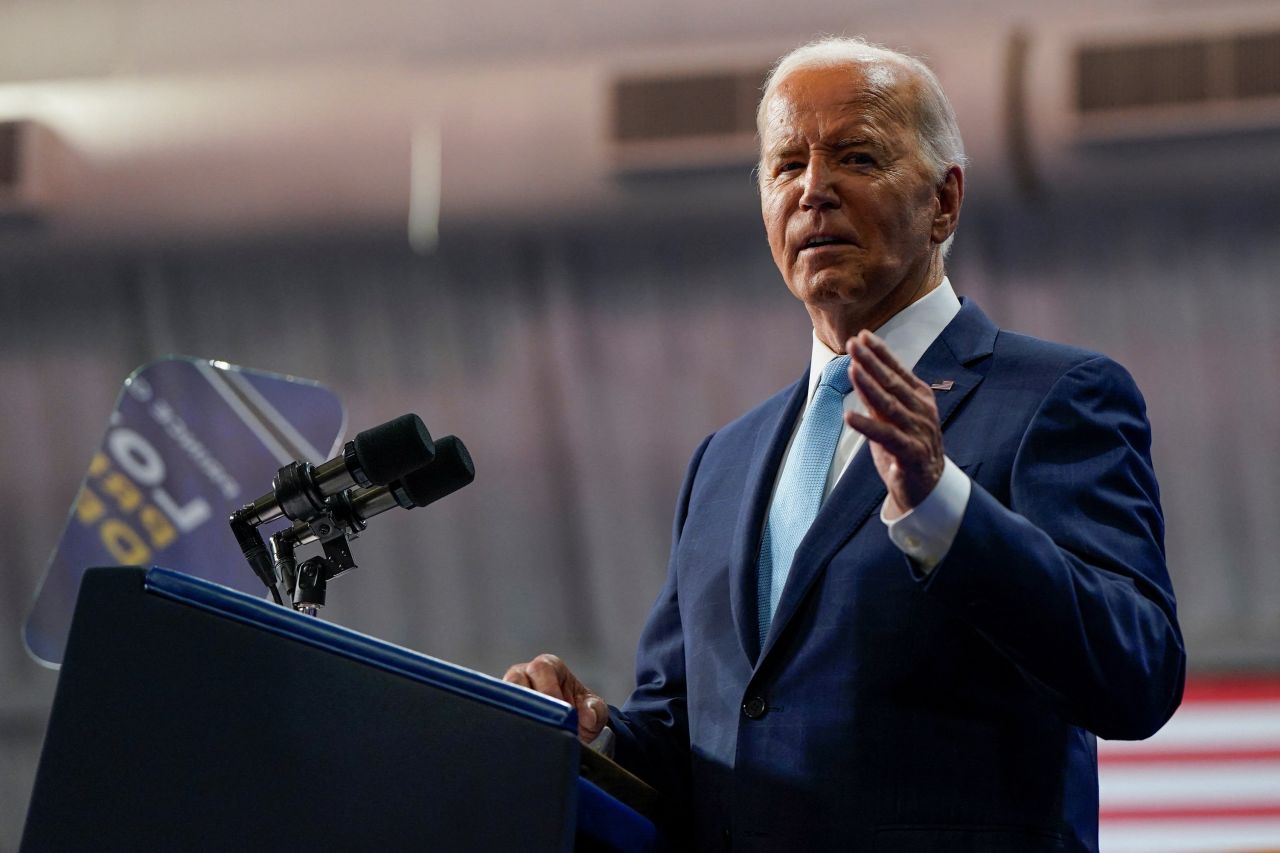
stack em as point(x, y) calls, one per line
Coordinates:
point(799, 492)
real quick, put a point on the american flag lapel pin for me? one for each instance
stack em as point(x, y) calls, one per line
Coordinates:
point(944, 385)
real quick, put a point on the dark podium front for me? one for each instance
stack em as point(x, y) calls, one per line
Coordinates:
point(189, 716)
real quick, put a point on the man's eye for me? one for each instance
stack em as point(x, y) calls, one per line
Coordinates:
point(859, 158)
point(791, 166)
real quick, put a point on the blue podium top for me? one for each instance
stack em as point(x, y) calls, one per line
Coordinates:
point(267, 616)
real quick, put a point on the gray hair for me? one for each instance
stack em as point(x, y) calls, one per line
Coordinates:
point(935, 119)
point(936, 125)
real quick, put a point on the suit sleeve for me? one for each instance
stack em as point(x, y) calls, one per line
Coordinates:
point(652, 729)
point(1069, 580)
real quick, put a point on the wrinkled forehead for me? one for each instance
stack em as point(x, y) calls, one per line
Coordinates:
point(876, 90)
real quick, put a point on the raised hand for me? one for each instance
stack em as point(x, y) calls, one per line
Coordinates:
point(901, 423)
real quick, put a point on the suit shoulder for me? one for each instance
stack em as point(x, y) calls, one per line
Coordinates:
point(1052, 359)
point(1037, 351)
point(1061, 369)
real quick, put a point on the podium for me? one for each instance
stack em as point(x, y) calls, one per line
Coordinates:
point(191, 716)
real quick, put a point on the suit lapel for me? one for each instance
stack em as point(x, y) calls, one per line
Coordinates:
point(771, 442)
point(968, 338)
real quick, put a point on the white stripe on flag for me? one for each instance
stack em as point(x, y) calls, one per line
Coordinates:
point(1208, 725)
point(1168, 836)
point(1207, 784)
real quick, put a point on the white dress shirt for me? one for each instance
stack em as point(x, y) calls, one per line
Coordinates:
point(926, 532)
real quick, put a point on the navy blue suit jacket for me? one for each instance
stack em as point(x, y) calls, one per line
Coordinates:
point(890, 711)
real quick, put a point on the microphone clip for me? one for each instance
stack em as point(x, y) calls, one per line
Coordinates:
point(303, 586)
point(393, 465)
point(313, 576)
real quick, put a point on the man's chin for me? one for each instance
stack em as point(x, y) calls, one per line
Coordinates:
point(829, 291)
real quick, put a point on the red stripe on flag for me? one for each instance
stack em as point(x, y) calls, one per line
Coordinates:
point(1190, 813)
point(1238, 688)
point(1155, 755)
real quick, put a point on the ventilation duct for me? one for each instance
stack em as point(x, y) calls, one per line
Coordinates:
point(1230, 70)
point(20, 190)
point(679, 121)
point(1164, 107)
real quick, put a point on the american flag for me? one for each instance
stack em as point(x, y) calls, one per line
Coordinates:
point(1208, 782)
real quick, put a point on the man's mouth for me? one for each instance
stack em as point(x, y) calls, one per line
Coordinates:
point(821, 241)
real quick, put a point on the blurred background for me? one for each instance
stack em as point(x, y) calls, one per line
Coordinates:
point(536, 226)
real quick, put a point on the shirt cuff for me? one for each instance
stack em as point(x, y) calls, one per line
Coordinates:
point(926, 532)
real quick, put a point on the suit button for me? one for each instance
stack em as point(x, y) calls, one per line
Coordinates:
point(755, 707)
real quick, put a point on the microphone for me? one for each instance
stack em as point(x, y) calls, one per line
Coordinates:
point(450, 470)
point(375, 458)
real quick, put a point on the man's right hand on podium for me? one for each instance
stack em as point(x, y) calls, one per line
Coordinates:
point(548, 674)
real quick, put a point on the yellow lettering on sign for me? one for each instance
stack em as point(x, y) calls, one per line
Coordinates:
point(121, 488)
point(125, 545)
point(99, 465)
point(158, 528)
point(89, 508)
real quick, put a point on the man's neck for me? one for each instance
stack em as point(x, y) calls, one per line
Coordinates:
point(835, 324)
point(908, 334)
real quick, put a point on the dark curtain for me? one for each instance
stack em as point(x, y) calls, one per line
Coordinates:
point(582, 365)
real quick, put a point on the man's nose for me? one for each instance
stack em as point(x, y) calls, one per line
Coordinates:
point(818, 190)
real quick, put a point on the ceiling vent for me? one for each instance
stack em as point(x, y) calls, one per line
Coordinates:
point(1223, 77)
point(10, 165)
point(20, 191)
point(683, 121)
point(1256, 65)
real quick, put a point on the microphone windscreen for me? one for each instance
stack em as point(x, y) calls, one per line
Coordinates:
point(392, 450)
point(449, 471)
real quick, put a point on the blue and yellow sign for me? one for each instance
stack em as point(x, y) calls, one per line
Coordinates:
point(190, 441)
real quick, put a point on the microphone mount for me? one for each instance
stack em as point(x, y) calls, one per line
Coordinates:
point(332, 502)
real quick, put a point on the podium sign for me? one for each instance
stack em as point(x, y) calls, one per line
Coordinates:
point(189, 442)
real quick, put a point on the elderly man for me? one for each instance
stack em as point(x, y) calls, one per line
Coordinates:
point(812, 677)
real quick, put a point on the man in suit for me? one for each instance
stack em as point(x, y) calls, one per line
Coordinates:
point(931, 678)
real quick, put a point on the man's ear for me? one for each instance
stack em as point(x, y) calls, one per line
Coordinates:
point(950, 195)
